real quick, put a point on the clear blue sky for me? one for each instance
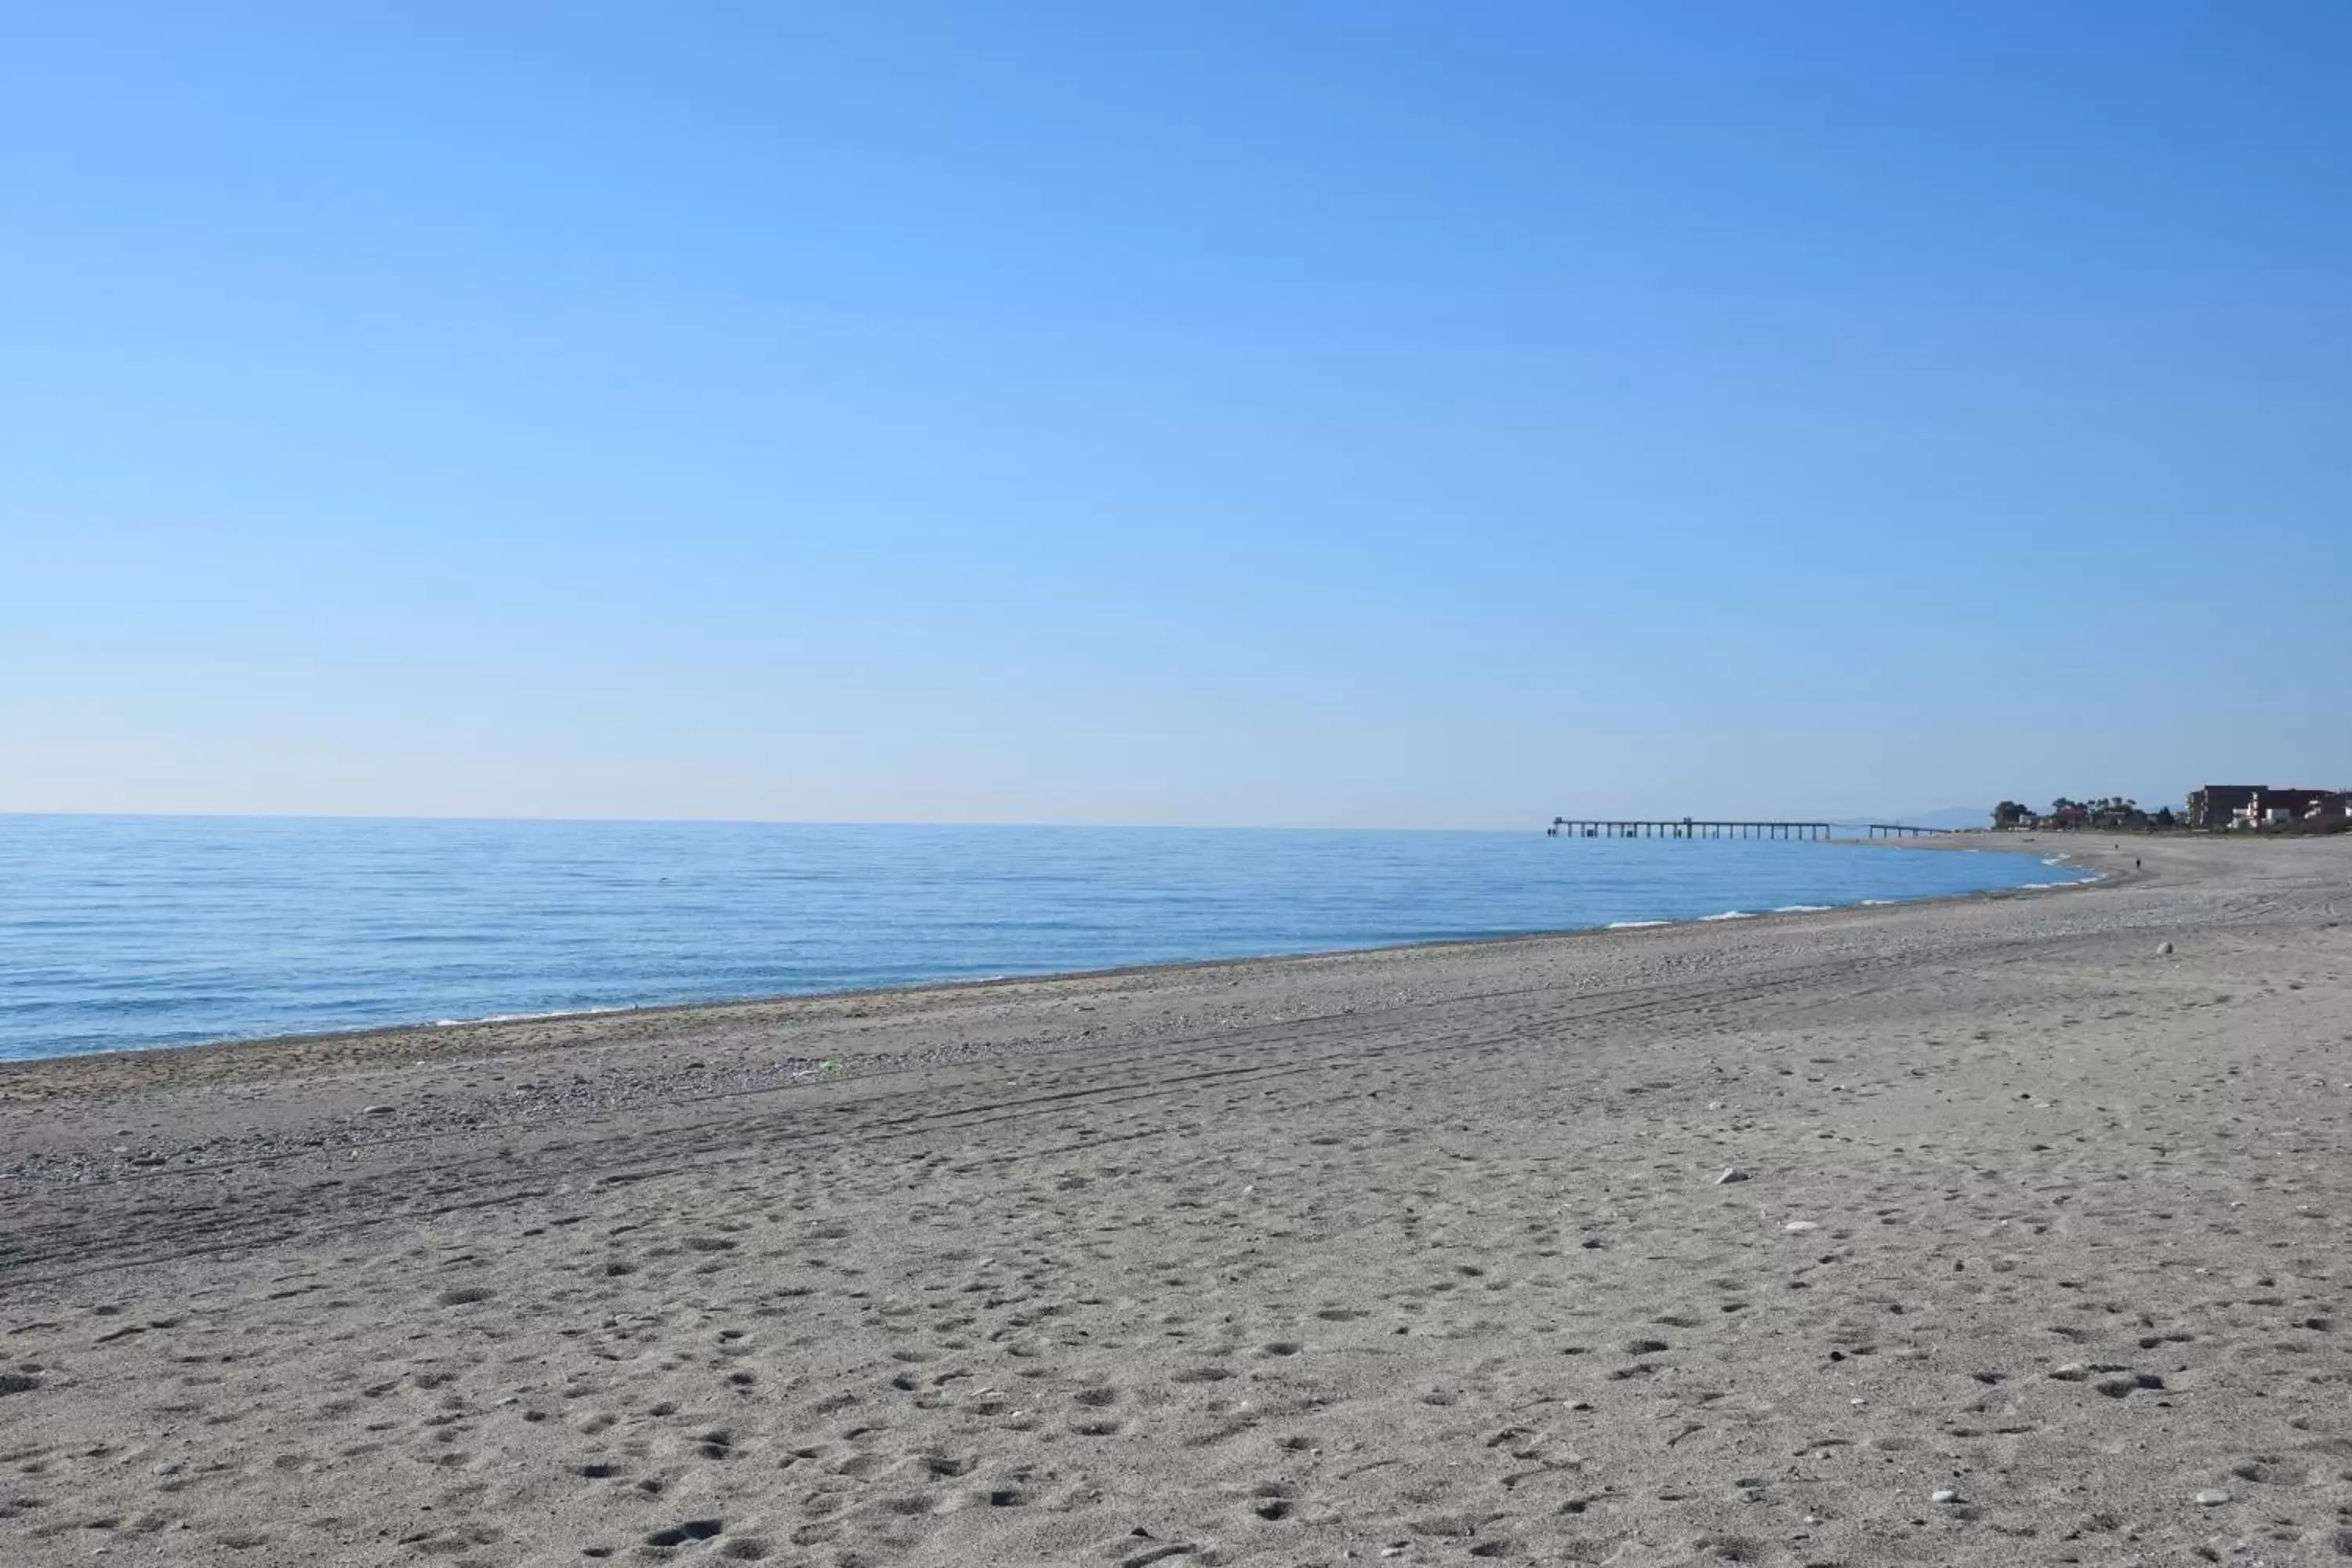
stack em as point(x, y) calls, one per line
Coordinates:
point(1331, 414)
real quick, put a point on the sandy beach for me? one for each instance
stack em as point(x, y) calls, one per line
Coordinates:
point(2034, 1251)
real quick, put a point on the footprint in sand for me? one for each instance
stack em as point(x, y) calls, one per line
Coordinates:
point(679, 1534)
point(1272, 1500)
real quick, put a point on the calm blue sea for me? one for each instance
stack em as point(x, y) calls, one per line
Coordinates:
point(134, 931)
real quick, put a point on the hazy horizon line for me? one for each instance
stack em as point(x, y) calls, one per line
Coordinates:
point(1535, 825)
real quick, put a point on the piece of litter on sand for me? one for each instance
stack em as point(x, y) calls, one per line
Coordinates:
point(2211, 1498)
point(1800, 1227)
point(1943, 1494)
point(2164, 950)
point(1730, 1173)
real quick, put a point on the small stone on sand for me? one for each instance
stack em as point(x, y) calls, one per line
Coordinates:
point(1943, 1494)
point(2211, 1498)
point(1800, 1227)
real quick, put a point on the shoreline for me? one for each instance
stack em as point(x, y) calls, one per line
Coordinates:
point(389, 1033)
point(1931, 1231)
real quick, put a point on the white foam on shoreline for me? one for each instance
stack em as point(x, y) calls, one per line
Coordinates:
point(2083, 879)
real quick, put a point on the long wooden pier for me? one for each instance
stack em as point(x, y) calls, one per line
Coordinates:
point(1688, 828)
point(1692, 827)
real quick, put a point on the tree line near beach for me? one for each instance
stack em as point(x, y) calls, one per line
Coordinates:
point(2106, 814)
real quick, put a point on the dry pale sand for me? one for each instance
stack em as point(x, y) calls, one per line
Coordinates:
point(1413, 1256)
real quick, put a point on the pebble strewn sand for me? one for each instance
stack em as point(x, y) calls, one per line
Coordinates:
point(1416, 1256)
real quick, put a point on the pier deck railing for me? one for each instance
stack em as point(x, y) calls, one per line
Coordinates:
point(1692, 828)
point(1683, 827)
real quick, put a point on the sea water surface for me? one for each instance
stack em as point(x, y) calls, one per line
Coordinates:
point(122, 932)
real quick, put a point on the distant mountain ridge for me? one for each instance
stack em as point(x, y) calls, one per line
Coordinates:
point(1949, 816)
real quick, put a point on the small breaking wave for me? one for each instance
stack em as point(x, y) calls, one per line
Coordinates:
point(521, 1017)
